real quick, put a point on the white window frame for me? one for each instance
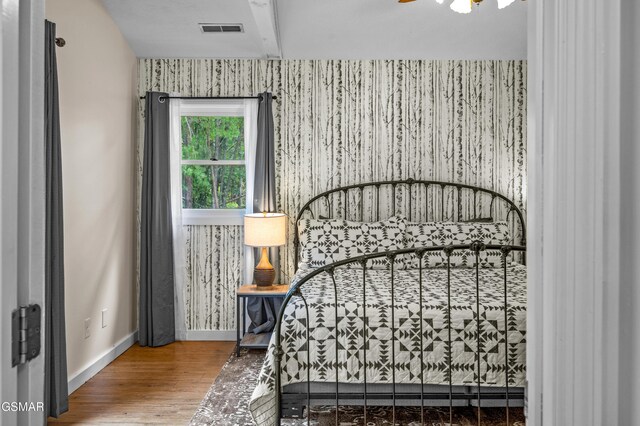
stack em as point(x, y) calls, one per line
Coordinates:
point(224, 108)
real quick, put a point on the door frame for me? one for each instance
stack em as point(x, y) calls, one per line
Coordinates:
point(22, 205)
point(8, 200)
point(31, 195)
point(574, 165)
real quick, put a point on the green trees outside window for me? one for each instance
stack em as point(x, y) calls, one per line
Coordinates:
point(213, 162)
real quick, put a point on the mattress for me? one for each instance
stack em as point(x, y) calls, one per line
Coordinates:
point(396, 356)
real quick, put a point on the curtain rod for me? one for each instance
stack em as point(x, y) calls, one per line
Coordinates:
point(210, 97)
point(60, 42)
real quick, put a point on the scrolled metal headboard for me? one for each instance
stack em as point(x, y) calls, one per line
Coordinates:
point(450, 201)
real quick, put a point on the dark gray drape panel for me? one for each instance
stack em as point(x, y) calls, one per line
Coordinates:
point(56, 391)
point(156, 304)
point(263, 311)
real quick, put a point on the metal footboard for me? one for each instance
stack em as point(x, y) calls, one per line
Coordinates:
point(397, 398)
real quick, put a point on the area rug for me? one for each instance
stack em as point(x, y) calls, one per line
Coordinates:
point(227, 403)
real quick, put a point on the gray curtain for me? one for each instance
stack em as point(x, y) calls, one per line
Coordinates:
point(56, 391)
point(156, 326)
point(262, 311)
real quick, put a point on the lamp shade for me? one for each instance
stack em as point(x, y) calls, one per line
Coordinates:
point(265, 229)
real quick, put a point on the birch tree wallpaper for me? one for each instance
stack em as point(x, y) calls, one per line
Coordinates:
point(339, 122)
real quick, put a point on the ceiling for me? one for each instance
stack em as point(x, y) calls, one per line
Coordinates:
point(322, 29)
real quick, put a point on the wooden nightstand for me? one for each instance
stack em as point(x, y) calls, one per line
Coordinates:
point(250, 340)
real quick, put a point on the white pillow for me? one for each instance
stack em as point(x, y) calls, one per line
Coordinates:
point(430, 234)
point(324, 241)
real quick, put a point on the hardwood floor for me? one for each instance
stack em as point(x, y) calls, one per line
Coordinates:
point(149, 385)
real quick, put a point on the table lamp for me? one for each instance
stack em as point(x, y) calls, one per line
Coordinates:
point(264, 230)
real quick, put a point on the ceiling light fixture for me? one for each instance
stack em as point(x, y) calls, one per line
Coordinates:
point(465, 6)
point(461, 6)
point(504, 3)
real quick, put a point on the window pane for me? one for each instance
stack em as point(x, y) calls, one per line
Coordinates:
point(213, 187)
point(207, 138)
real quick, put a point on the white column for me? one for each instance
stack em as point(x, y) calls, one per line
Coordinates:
point(574, 212)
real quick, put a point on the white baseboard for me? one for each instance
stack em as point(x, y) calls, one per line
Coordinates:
point(94, 368)
point(222, 335)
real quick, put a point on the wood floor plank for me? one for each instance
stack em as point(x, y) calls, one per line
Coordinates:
point(161, 386)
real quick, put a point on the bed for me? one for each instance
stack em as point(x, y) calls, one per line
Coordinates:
point(386, 312)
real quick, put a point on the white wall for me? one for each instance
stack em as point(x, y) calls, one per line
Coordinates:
point(97, 98)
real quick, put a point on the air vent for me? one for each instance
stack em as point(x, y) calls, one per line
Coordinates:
point(221, 28)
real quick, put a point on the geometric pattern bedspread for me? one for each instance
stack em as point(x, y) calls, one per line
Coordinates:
point(319, 295)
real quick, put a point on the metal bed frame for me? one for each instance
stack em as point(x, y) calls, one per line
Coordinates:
point(292, 404)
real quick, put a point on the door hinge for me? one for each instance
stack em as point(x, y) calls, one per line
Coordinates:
point(25, 334)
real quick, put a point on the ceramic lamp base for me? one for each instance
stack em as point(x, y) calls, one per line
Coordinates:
point(264, 274)
point(264, 277)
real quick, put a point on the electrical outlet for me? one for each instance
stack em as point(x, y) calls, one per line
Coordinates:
point(87, 328)
point(104, 318)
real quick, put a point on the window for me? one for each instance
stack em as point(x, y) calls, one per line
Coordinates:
point(213, 166)
point(213, 162)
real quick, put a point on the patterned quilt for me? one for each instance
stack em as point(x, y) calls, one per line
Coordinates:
point(319, 295)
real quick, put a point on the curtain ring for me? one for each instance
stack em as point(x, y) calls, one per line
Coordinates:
point(161, 99)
